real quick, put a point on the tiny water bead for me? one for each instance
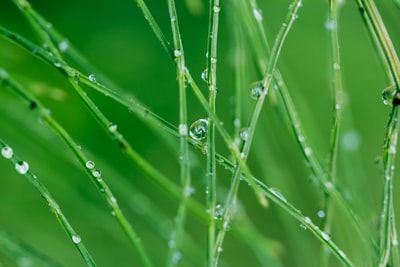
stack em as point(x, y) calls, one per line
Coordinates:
point(326, 236)
point(90, 164)
point(76, 239)
point(7, 152)
point(256, 90)
point(177, 257)
point(183, 129)
point(321, 214)
point(388, 95)
point(198, 130)
point(92, 78)
point(177, 53)
point(112, 128)
point(63, 46)
point(22, 167)
point(216, 9)
point(257, 14)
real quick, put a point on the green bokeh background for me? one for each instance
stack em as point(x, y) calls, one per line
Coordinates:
point(114, 36)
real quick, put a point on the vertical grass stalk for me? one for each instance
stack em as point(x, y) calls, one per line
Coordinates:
point(175, 243)
point(337, 90)
point(211, 163)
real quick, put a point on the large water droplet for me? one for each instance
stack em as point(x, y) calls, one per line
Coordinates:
point(90, 164)
point(92, 78)
point(22, 167)
point(256, 90)
point(76, 239)
point(7, 152)
point(388, 95)
point(198, 130)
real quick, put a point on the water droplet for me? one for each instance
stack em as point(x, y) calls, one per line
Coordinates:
point(219, 212)
point(198, 130)
point(7, 152)
point(190, 191)
point(236, 122)
point(57, 64)
point(256, 90)
point(303, 227)
point(204, 75)
point(336, 66)
point(113, 199)
point(330, 24)
point(90, 165)
point(22, 167)
point(244, 134)
point(328, 185)
point(388, 95)
point(177, 53)
point(220, 249)
point(92, 78)
point(395, 242)
point(183, 129)
point(277, 193)
point(217, 9)
point(351, 141)
point(307, 220)
point(258, 14)
point(113, 128)
point(308, 151)
point(213, 60)
point(76, 239)
point(326, 236)
point(321, 213)
point(63, 45)
point(302, 138)
point(177, 257)
point(96, 173)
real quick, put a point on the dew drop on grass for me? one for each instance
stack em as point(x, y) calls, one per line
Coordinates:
point(219, 212)
point(96, 173)
point(307, 220)
point(244, 134)
point(7, 152)
point(198, 130)
point(303, 227)
point(256, 90)
point(182, 129)
point(22, 167)
point(177, 257)
point(204, 75)
point(90, 164)
point(76, 239)
point(177, 53)
point(388, 95)
point(326, 236)
point(321, 214)
point(220, 249)
point(257, 14)
point(63, 45)
point(277, 193)
point(92, 78)
point(112, 128)
point(216, 9)
point(330, 25)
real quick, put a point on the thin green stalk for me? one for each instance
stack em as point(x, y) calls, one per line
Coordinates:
point(211, 163)
point(22, 167)
point(391, 62)
point(279, 41)
point(175, 244)
point(337, 89)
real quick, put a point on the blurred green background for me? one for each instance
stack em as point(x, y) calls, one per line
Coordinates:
point(115, 37)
